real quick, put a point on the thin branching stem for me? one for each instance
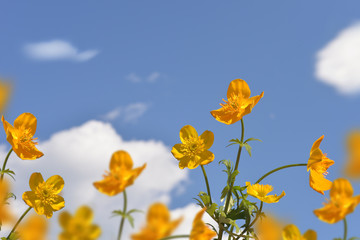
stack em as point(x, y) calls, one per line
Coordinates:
point(4, 165)
point(207, 182)
point(123, 217)
point(280, 168)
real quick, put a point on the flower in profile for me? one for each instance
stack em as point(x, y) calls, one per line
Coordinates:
point(352, 168)
point(35, 228)
point(199, 229)
point(120, 176)
point(318, 164)
point(20, 136)
point(238, 104)
point(193, 151)
point(341, 202)
point(79, 226)
point(5, 214)
point(5, 90)
point(260, 192)
point(158, 224)
point(291, 232)
point(268, 228)
point(43, 196)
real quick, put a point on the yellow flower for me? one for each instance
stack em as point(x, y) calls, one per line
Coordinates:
point(260, 192)
point(194, 148)
point(35, 228)
point(5, 89)
point(318, 164)
point(268, 228)
point(353, 147)
point(291, 232)
point(199, 229)
point(238, 104)
point(158, 224)
point(341, 202)
point(79, 226)
point(43, 196)
point(120, 176)
point(20, 136)
point(5, 214)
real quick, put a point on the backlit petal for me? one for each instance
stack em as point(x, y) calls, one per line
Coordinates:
point(310, 235)
point(35, 180)
point(206, 157)
point(187, 132)
point(26, 121)
point(177, 150)
point(120, 159)
point(56, 183)
point(291, 232)
point(224, 116)
point(318, 182)
point(341, 189)
point(208, 138)
point(58, 203)
point(238, 87)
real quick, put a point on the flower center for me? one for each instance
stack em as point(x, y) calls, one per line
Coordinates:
point(193, 146)
point(234, 104)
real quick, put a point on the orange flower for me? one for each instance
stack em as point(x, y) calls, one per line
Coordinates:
point(20, 136)
point(5, 215)
point(260, 192)
point(5, 89)
point(238, 104)
point(268, 228)
point(291, 232)
point(120, 176)
point(353, 148)
point(35, 228)
point(199, 230)
point(318, 164)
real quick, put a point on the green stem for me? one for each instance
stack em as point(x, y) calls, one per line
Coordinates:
point(345, 229)
point(279, 168)
point(207, 182)
point(254, 221)
point(123, 218)
point(17, 223)
point(4, 165)
point(176, 236)
point(231, 230)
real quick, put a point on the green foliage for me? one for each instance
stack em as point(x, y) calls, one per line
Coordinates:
point(8, 172)
point(126, 215)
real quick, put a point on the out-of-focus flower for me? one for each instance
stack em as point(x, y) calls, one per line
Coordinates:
point(199, 229)
point(5, 214)
point(341, 202)
point(5, 90)
point(120, 176)
point(291, 232)
point(238, 104)
point(79, 226)
point(318, 164)
point(158, 224)
point(193, 151)
point(352, 168)
point(268, 228)
point(35, 228)
point(260, 192)
point(43, 196)
point(20, 136)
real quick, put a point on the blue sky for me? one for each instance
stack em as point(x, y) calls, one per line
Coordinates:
point(160, 65)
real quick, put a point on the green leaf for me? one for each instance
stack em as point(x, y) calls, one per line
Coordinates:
point(248, 148)
point(235, 214)
point(224, 192)
point(8, 172)
point(252, 139)
point(204, 198)
point(211, 209)
point(234, 141)
point(199, 203)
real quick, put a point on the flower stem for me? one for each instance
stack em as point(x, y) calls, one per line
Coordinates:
point(254, 221)
point(4, 165)
point(123, 218)
point(17, 223)
point(207, 182)
point(279, 168)
point(345, 228)
point(176, 236)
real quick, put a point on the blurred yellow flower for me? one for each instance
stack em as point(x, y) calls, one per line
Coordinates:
point(352, 168)
point(260, 192)
point(238, 104)
point(5, 90)
point(5, 214)
point(199, 229)
point(193, 151)
point(268, 228)
point(318, 164)
point(35, 228)
point(341, 202)
point(20, 136)
point(43, 196)
point(291, 232)
point(121, 174)
point(158, 224)
point(79, 226)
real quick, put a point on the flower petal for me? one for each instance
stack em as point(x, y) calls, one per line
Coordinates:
point(26, 121)
point(120, 159)
point(341, 189)
point(310, 235)
point(26, 153)
point(108, 186)
point(238, 87)
point(316, 144)
point(177, 151)
point(30, 198)
point(291, 232)
point(35, 180)
point(206, 157)
point(187, 132)
point(57, 203)
point(224, 116)
point(64, 219)
point(318, 182)
point(84, 214)
point(208, 138)
point(56, 183)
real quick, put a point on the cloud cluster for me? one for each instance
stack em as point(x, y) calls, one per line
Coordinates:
point(151, 78)
point(129, 113)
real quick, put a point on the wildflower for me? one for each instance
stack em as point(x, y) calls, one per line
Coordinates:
point(193, 151)
point(268, 228)
point(199, 230)
point(260, 192)
point(43, 196)
point(5, 89)
point(291, 232)
point(120, 176)
point(5, 215)
point(20, 136)
point(238, 104)
point(35, 228)
point(318, 164)
point(353, 148)
point(79, 226)
point(158, 224)
point(341, 202)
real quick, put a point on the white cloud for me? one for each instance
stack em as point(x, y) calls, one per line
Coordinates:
point(133, 77)
point(151, 78)
point(57, 50)
point(129, 113)
point(338, 63)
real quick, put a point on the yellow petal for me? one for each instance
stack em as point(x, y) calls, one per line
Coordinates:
point(291, 232)
point(5, 90)
point(58, 203)
point(56, 183)
point(64, 219)
point(273, 198)
point(35, 180)
point(318, 182)
point(224, 116)
point(188, 132)
point(158, 212)
point(208, 138)
point(177, 151)
point(329, 213)
point(184, 162)
point(26, 121)
point(30, 198)
point(238, 87)
point(206, 157)
point(341, 189)
point(120, 159)
point(108, 186)
point(27, 153)
point(316, 144)
point(310, 235)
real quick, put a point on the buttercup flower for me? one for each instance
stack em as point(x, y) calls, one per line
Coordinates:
point(5, 215)
point(260, 192)
point(20, 136)
point(5, 89)
point(238, 104)
point(158, 224)
point(35, 228)
point(43, 196)
point(120, 176)
point(352, 168)
point(199, 229)
point(79, 226)
point(341, 202)
point(268, 228)
point(193, 151)
point(291, 232)
point(318, 164)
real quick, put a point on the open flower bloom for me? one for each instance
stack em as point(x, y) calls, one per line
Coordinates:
point(79, 226)
point(318, 164)
point(158, 224)
point(291, 232)
point(352, 168)
point(43, 196)
point(5, 214)
point(199, 229)
point(268, 228)
point(341, 202)
point(20, 136)
point(193, 151)
point(260, 192)
point(238, 104)
point(35, 228)
point(5, 89)
point(120, 176)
